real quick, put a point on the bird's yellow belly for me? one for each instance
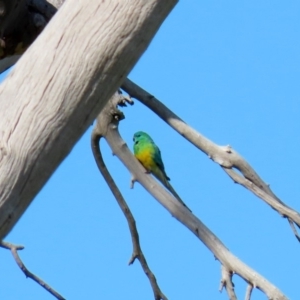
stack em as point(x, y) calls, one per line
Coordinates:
point(145, 158)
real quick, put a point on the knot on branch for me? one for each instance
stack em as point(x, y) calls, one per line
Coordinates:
point(119, 100)
point(110, 114)
point(221, 157)
point(221, 160)
point(117, 115)
point(124, 100)
point(227, 148)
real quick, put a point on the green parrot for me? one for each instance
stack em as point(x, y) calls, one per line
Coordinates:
point(149, 156)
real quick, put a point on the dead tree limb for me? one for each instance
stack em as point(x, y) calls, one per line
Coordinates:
point(226, 282)
point(14, 250)
point(230, 262)
point(59, 86)
point(107, 115)
point(249, 292)
point(225, 156)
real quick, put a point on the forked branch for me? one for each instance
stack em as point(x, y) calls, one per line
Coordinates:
point(226, 282)
point(225, 156)
point(231, 263)
point(113, 115)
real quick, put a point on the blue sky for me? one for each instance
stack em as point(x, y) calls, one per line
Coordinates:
point(231, 70)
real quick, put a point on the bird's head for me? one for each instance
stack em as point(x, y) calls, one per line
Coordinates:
point(141, 136)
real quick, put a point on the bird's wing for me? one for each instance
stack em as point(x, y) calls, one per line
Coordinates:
point(158, 160)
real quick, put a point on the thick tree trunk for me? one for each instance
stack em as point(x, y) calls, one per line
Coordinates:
point(60, 85)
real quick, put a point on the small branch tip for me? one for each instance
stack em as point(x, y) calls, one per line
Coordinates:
point(132, 181)
point(14, 250)
point(133, 258)
point(249, 291)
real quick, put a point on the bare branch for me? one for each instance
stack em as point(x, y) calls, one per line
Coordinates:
point(226, 282)
point(292, 224)
point(211, 241)
point(137, 253)
point(249, 292)
point(14, 250)
point(9, 246)
point(225, 156)
point(65, 96)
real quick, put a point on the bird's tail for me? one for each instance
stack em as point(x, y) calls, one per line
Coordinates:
point(160, 176)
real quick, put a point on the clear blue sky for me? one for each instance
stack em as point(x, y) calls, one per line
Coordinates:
point(231, 70)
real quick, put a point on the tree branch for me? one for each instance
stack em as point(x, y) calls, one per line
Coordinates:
point(226, 282)
point(45, 110)
point(14, 250)
point(98, 133)
point(231, 263)
point(249, 292)
point(225, 156)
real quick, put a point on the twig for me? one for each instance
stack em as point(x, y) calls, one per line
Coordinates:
point(280, 207)
point(226, 282)
point(292, 224)
point(249, 291)
point(10, 246)
point(137, 251)
point(14, 248)
point(211, 241)
point(225, 156)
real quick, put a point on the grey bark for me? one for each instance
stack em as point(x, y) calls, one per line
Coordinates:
point(60, 85)
point(230, 263)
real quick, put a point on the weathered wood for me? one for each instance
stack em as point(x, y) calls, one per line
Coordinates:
point(231, 264)
point(60, 85)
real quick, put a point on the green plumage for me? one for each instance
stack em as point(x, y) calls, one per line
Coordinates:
point(149, 156)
